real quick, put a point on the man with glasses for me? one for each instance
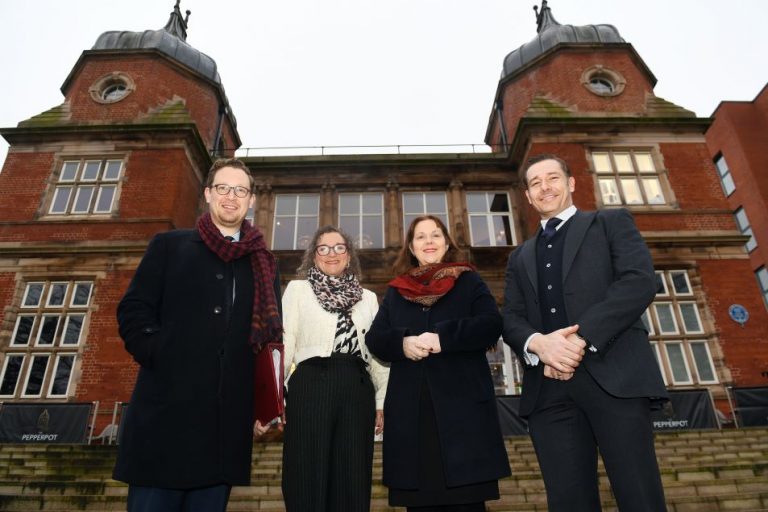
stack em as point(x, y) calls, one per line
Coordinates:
point(201, 303)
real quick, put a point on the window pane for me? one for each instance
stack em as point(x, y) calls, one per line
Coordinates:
point(305, 229)
point(602, 162)
point(72, 330)
point(11, 374)
point(741, 219)
point(112, 170)
point(83, 199)
point(56, 294)
point(623, 162)
point(502, 231)
point(666, 318)
point(372, 203)
point(372, 236)
point(308, 205)
point(751, 243)
point(91, 171)
point(104, 199)
point(69, 171)
point(60, 200)
point(644, 162)
point(33, 294)
point(407, 219)
point(283, 234)
point(24, 325)
point(661, 285)
point(413, 203)
point(47, 330)
point(36, 375)
point(349, 204)
point(609, 192)
point(762, 278)
point(680, 283)
point(704, 367)
point(677, 363)
point(631, 191)
point(476, 203)
point(646, 318)
point(653, 191)
point(350, 224)
point(479, 229)
point(285, 205)
point(500, 203)
point(82, 295)
point(689, 313)
point(61, 376)
point(728, 185)
point(722, 166)
point(435, 202)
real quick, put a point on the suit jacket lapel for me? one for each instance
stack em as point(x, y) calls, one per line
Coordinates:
point(574, 237)
point(529, 260)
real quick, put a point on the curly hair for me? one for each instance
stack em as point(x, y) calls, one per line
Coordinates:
point(406, 260)
point(308, 259)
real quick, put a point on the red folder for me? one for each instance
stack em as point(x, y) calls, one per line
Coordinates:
point(268, 382)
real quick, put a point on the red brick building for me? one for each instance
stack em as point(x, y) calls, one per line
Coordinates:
point(736, 141)
point(87, 183)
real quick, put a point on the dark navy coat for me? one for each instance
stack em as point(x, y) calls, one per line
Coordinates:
point(459, 379)
point(190, 419)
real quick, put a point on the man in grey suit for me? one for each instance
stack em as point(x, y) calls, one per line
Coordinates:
point(573, 302)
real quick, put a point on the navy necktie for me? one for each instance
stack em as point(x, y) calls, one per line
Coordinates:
point(549, 229)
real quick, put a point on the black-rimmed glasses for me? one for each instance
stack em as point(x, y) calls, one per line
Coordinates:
point(325, 250)
point(223, 190)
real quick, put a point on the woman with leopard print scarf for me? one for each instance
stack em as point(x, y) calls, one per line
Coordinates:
point(336, 391)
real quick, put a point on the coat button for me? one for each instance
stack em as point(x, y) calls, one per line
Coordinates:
point(219, 276)
point(217, 310)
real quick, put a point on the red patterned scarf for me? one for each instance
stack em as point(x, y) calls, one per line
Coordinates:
point(426, 285)
point(266, 326)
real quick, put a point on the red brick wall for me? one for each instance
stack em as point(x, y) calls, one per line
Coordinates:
point(738, 133)
point(559, 78)
point(157, 81)
point(727, 282)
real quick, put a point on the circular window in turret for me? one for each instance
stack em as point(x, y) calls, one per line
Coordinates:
point(112, 88)
point(603, 81)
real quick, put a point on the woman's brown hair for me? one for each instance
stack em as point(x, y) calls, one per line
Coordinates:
point(406, 260)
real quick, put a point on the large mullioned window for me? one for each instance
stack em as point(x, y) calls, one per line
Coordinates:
point(86, 187)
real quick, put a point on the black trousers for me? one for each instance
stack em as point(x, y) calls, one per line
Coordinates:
point(571, 420)
point(156, 499)
point(328, 444)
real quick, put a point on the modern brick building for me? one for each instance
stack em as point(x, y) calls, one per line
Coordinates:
point(736, 141)
point(87, 183)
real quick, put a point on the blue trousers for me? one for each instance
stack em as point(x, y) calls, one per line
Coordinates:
point(156, 499)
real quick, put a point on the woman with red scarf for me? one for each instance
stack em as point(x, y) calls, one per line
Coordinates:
point(443, 448)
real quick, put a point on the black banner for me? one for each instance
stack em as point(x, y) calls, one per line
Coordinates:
point(686, 410)
point(511, 422)
point(44, 423)
point(751, 406)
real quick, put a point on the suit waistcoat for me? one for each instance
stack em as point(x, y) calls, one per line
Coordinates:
point(549, 262)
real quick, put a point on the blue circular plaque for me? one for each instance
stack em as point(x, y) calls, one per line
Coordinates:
point(738, 314)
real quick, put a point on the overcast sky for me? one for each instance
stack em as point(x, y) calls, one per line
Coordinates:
point(366, 72)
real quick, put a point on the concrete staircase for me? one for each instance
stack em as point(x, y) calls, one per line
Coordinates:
point(702, 471)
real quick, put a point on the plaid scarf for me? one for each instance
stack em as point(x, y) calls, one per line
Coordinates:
point(266, 326)
point(426, 285)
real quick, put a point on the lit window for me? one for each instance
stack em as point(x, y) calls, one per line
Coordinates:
point(47, 334)
point(490, 219)
point(296, 220)
point(628, 177)
point(86, 187)
point(361, 216)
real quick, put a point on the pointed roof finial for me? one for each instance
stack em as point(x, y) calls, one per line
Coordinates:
point(177, 25)
point(544, 19)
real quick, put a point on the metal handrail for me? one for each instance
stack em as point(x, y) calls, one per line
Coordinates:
point(368, 149)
